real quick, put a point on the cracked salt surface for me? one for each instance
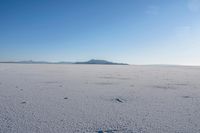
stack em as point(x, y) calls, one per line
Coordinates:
point(97, 98)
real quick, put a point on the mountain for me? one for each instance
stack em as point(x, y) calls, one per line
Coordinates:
point(94, 61)
point(37, 62)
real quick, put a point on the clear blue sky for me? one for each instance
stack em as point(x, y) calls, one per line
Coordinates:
point(132, 31)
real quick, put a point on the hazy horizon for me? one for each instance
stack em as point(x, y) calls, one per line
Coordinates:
point(130, 31)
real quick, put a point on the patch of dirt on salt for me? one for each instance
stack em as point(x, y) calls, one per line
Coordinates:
point(187, 97)
point(167, 87)
point(104, 83)
point(119, 100)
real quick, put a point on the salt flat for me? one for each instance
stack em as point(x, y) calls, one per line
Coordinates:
point(94, 98)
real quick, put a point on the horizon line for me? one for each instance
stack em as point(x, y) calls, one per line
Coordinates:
point(74, 62)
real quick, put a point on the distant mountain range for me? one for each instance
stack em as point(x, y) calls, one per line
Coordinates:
point(36, 62)
point(93, 61)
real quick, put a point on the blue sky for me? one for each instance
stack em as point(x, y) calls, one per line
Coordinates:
point(132, 31)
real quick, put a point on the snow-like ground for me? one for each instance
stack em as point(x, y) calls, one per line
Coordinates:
point(95, 98)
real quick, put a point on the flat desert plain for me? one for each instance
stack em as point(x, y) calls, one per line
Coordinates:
point(51, 98)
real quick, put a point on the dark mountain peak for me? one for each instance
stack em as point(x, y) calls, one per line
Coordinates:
point(95, 61)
